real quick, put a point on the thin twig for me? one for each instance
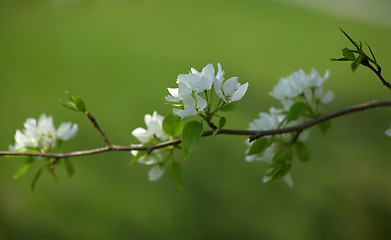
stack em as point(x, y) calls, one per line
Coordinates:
point(253, 134)
point(92, 119)
point(378, 73)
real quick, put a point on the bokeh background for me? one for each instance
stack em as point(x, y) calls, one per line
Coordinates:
point(120, 56)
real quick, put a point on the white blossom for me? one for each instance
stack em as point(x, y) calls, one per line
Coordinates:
point(298, 83)
point(154, 131)
point(42, 134)
point(155, 173)
point(229, 90)
point(154, 128)
point(192, 84)
point(189, 87)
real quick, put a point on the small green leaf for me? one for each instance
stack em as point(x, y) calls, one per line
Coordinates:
point(222, 122)
point(356, 63)
point(258, 146)
point(172, 125)
point(35, 179)
point(175, 105)
point(24, 167)
point(282, 162)
point(191, 137)
point(276, 172)
point(340, 59)
point(228, 107)
point(69, 105)
point(325, 126)
point(283, 155)
point(69, 167)
point(79, 103)
point(296, 110)
point(350, 39)
point(348, 54)
point(374, 59)
point(302, 151)
point(138, 155)
point(174, 171)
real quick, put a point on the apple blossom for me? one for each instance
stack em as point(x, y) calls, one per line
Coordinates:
point(42, 134)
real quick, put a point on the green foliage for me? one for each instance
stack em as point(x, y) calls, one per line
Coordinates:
point(362, 58)
point(325, 126)
point(302, 151)
point(296, 110)
point(356, 63)
point(348, 54)
point(282, 162)
point(259, 146)
point(191, 136)
point(222, 123)
point(69, 167)
point(228, 107)
point(35, 179)
point(24, 167)
point(76, 103)
point(172, 125)
point(174, 171)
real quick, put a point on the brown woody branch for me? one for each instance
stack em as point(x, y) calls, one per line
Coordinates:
point(253, 134)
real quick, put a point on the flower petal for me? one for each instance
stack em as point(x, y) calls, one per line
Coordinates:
point(230, 86)
point(155, 173)
point(239, 93)
point(201, 103)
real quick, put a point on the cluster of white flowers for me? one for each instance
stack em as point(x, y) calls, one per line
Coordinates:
point(42, 135)
point(298, 87)
point(298, 84)
point(153, 132)
point(192, 84)
point(268, 121)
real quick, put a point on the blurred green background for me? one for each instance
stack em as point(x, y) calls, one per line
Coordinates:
point(120, 56)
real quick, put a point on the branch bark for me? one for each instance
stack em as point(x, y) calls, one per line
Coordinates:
point(252, 134)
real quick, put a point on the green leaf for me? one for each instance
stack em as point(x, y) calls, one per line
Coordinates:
point(69, 167)
point(283, 155)
point(282, 162)
point(258, 146)
point(191, 137)
point(302, 151)
point(172, 125)
point(138, 155)
point(356, 63)
point(79, 103)
point(350, 39)
point(24, 167)
point(35, 179)
point(276, 172)
point(222, 122)
point(340, 59)
point(175, 105)
point(69, 105)
point(348, 54)
point(296, 110)
point(325, 126)
point(228, 107)
point(374, 59)
point(174, 171)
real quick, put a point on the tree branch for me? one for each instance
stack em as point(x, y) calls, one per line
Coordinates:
point(253, 134)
